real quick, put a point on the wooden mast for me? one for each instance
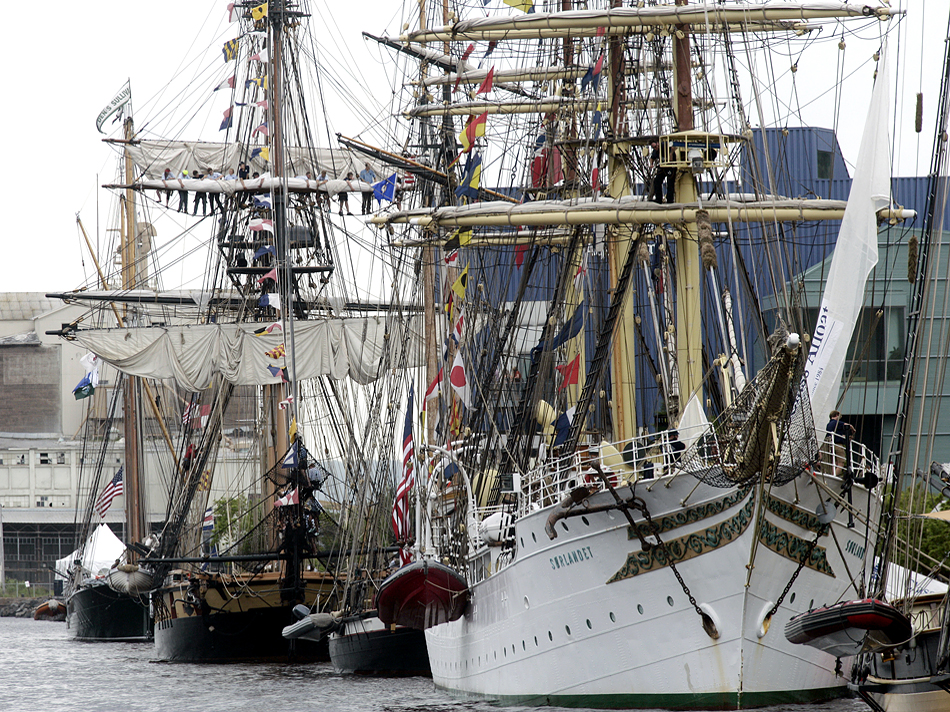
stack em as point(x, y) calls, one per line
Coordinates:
point(131, 413)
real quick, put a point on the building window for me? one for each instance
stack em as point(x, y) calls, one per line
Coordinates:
point(61, 458)
point(873, 356)
point(826, 164)
point(45, 459)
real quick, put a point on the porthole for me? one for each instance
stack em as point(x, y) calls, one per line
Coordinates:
point(526, 604)
point(536, 641)
point(568, 629)
point(495, 654)
point(512, 648)
point(639, 609)
point(523, 646)
point(522, 542)
point(613, 618)
point(534, 538)
point(584, 519)
point(811, 604)
point(589, 625)
point(550, 637)
point(791, 598)
point(504, 651)
point(669, 599)
point(564, 524)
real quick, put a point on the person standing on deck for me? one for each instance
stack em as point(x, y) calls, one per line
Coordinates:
point(344, 196)
point(183, 194)
point(368, 175)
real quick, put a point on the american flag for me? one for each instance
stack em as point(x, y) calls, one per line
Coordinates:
point(112, 490)
point(401, 505)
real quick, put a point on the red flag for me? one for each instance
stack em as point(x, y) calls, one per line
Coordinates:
point(433, 390)
point(570, 371)
point(519, 254)
point(488, 83)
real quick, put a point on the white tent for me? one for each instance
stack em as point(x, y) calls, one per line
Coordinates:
point(102, 549)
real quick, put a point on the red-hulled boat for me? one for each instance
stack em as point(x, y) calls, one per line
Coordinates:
point(421, 595)
point(849, 627)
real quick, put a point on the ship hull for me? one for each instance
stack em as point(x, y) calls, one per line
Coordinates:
point(367, 646)
point(591, 620)
point(97, 613)
point(215, 619)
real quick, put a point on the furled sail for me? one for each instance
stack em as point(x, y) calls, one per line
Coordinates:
point(192, 354)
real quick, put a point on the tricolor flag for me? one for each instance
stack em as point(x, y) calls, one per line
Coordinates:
point(471, 179)
point(230, 49)
point(270, 275)
point(593, 74)
point(262, 129)
point(488, 84)
point(266, 250)
point(84, 388)
point(292, 497)
point(208, 524)
point(270, 300)
point(401, 504)
point(473, 130)
point(562, 426)
point(459, 379)
point(519, 254)
point(570, 372)
point(226, 124)
point(268, 329)
point(434, 389)
point(227, 83)
point(277, 371)
point(260, 224)
point(112, 490)
point(262, 201)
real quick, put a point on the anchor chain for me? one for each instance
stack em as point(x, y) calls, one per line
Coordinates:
point(708, 624)
point(801, 565)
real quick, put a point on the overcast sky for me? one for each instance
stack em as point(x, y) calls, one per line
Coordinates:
point(69, 60)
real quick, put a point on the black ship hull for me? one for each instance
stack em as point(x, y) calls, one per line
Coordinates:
point(379, 651)
point(96, 612)
point(246, 636)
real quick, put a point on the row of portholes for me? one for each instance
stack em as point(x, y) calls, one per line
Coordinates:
point(534, 536)
point(524, 646)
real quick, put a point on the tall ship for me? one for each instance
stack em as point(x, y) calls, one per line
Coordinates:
point(625, 451)
point(259, 367)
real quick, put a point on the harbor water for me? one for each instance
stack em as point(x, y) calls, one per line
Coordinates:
point(42, 669)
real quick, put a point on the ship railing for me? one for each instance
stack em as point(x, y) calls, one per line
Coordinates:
point(644, 457)
point(852, 458)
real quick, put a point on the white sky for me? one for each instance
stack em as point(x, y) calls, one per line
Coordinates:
point(70, 59)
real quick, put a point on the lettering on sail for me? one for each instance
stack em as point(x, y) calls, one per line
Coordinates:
point(827, 331)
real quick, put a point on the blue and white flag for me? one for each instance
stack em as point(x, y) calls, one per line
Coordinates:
point(385, 189)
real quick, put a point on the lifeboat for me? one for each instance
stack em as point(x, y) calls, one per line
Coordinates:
point(850, 627)
point(51, 610)
point(421, 595)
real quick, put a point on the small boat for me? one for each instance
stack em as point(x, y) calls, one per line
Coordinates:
point(850, 627)
point(421, 595)
point(364, 645)
point(51, 610)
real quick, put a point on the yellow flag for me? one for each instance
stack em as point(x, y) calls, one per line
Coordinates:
point(261, 11)
point(461, 283)
point(293, 429)
point(523, 5)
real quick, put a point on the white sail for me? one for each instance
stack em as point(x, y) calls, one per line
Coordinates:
point(855, 255)
point(191, 355)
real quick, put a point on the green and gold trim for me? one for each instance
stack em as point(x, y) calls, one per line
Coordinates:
point(794, 548)
point(797, 516)
point(686, 547)
point(689, 516)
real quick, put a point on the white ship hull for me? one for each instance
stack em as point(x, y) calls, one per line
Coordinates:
point(574, 622)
